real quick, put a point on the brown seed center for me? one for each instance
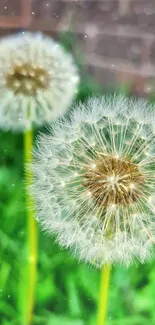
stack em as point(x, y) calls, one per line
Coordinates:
point(26, 79)
point(114, 181)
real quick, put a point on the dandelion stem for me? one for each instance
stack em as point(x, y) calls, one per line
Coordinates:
point(32, 233)
point(103, 297)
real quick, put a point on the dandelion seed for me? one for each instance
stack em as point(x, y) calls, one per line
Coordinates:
point(112, 183)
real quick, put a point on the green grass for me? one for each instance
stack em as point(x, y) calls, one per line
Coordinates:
point(67, 291)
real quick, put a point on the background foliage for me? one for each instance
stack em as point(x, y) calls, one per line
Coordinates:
point(67, 291)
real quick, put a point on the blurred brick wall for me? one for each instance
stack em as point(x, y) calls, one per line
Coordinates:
point(14, 14)
point(114, 39)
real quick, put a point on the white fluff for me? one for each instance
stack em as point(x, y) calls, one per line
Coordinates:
point(114, 126)
point(41, 52)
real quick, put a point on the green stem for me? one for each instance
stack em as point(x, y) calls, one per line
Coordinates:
point(32, 232)
point(103, 298)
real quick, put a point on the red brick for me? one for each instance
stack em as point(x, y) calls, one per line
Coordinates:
point(97, 12)
point(8, 31)
point(49, 8)
point(139, 14)
point(105, 77)
point(117, 47)
point(10, 8)
point(83, 44)
point(152, 53)
point(142, 14)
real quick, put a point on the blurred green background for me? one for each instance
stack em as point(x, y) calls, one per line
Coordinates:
point(67, 291)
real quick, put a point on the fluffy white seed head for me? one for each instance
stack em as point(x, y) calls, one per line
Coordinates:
point(38, 80)
point(94, 180)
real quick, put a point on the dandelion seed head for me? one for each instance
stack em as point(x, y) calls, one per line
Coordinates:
point(110, 182)
point(26, 80)
point(105, 192)
point(38, 80)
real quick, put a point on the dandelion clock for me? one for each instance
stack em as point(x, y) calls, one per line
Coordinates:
point(38, 81)
point(94, 183)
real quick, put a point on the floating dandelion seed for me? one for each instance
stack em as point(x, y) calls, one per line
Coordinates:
point(38, 80)
point(95, 180)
